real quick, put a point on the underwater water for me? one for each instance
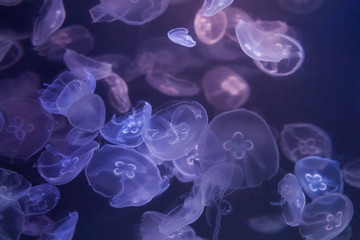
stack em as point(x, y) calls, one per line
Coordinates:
point(179, 119)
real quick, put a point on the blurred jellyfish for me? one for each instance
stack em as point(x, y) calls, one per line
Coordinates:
point(124, 176)
point(319, 176)
point(351, 172)
point(128, 11)
point(10, 3)
point(119, 63)
point(52, 16)
point(35, 225)
point(212, 7)
point(300, 6)
point(267, 224)
point(11, 55)
point(225, 89)
point(326, 217)
point(26, 129)
point(171, 85)
point(62, 229)
point(181, 37)
point(4, 48)
point(13, 185)
point(74, 37)
point(175, 130)
point(11, 219)
point(299, 140)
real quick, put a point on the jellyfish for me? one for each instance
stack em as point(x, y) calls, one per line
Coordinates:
point(11, 55)
point(319, 176)
point(62, 162)
point(62, 229)
point(40, 199)
point(124, 176)
point(180, 36)
point(326, 217)
point(26, 129)
point(175, 130)
point(292, 199)
point(4, 48)
point(243, 138)
point(128, 11)
point(212, 7)
point(225, 89)
point(126, 130)
point(13, 185)
point(299, 140)
point(52, 16)
point(300, 6)
point(11, 219)
point(351, 172)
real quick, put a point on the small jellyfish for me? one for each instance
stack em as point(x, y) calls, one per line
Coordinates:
point(124, 176)
point(180, 36)
point(175, 130)
point(292, 199)
point(52, 16)
point(225, 89)
point(11, 219)
point(212, 7)
point(13, 185)
point(62, 162)
point(326, 217)
point(126, 130)
point(27, 128)
point(319, 176)
point(300, 140)
point(300, 6)
point(40, 199)
point(62, 229)
point(351, 172)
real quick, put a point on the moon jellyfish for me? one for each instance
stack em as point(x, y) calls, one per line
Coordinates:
point(293, 56)
point(52, 16)
point(40, 199)
point(171, 85)
point(128, 11)
point(257, 45)
point(319, 176)
point(180, 36)
point(61, 162)
point(27, 128)
point(225, 89)
point(62, 229)
point(209, 30)
point(10, 3)
point(126, 130)
point(326, 217)
point(300, 6)
point(35, 225)
point(12, 55)
point(11, 219)
point(292, 199)
point(124, 176)
point(351, 173)
point(74, 37)
point(79, 137)
point(13, 185)
point(212, 7)
point(300, 140)
point(75, 62)
point(243, 138)
point(267, 224)
point(174, 131)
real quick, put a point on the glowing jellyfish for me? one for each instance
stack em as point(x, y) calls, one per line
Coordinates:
point(209, 30)
point(326, 217)
point(225, 89)
point(292, 199)
point(62, 229)
point(175, 130)
point(300, 140)
point(171, 85)
point(11, 219)
point(351, 172)
point(128, 11)
point(62, 162)
point(13, 185)
point(52, 16)
point(40, 199)
point(243, 138)
point(319, 176)
point(74, 37)
point(26, 129)
point(212, 7)
point(300, 6)
point(124, 176)
point(180, 36)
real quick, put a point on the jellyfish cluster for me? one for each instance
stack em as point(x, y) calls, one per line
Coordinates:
point(159, 124)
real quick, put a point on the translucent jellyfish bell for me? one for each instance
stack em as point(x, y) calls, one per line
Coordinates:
point(225, 89)
point(13, 185)
point(212, 7)
point(11, 219)
point(326, 217)
point(243, 138)
point(124, 176)
point(209, 30)
point(319, 176)
point(351, 172)
point(180, 36)
point(62, 229)
point(175, 130)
